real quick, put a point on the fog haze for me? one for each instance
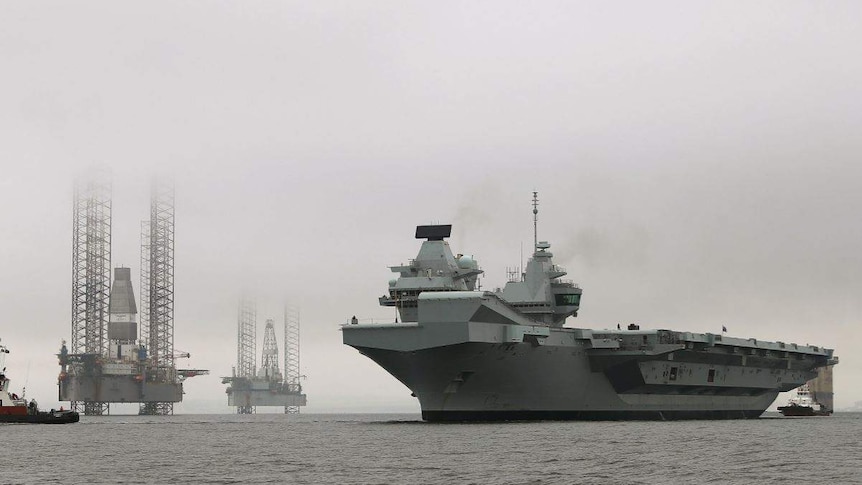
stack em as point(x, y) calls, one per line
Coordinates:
point(697, 165)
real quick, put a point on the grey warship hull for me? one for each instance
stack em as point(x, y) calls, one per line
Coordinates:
point(505, 390)
point(464, 369)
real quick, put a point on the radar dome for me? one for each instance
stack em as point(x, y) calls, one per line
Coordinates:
point(466, 262)
point(392, 282)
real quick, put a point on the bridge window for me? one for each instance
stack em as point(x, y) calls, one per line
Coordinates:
point(711, 376)
point(568, 300)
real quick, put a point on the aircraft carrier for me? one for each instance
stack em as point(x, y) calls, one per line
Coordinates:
point(471, 355)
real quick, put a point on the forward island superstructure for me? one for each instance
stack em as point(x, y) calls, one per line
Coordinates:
point(479, 355)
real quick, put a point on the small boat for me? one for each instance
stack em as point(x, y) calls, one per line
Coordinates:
point(804, 405)
point(15, 409)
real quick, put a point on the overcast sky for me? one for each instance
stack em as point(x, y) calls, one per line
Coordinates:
point(697, 164)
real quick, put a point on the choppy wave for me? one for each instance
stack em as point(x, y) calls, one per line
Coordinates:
point(360, 449)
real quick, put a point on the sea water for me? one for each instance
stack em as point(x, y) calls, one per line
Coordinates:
point(347, 449)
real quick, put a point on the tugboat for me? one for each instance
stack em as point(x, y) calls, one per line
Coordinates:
point(15, 409)
point(804, 404)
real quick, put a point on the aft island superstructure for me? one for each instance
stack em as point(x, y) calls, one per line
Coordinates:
point(479, 355)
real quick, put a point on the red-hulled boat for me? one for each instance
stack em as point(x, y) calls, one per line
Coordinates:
point(15, 409)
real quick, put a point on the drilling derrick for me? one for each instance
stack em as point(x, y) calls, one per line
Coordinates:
point(91, 276)
point(269, 356)
point(248, 389)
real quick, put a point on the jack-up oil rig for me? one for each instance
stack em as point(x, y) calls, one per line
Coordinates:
point(109, 361)
point(249, 386)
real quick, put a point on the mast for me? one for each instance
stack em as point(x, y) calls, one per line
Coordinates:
point(535, 221)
